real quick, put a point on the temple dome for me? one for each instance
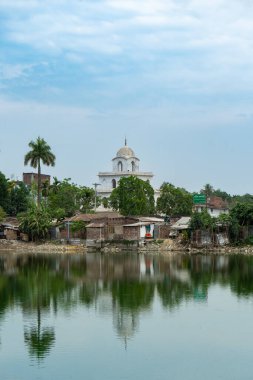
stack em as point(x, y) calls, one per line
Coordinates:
point(125, 152)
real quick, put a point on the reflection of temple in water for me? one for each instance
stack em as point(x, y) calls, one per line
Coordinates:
point(121, 286)
point(125, 322)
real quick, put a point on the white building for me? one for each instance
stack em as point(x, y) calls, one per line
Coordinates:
point(125, 164)
point(214, 205)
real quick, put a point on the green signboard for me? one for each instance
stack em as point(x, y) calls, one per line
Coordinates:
point(199, 199)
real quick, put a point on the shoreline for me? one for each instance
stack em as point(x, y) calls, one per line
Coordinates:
point(45, 247)
point(154, 248)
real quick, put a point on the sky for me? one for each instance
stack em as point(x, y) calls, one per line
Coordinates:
point(173, 76)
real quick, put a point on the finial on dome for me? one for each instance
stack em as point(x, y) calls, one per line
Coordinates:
point(125, 141)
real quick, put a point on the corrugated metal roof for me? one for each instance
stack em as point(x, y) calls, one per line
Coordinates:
point(182, 223)
point(150, 219)
point(137, 224)
point(90, 217)
point(95, 225)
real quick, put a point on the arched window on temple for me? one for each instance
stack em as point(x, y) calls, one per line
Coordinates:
point(120, 166)
point(114, 184)
point(133, 166)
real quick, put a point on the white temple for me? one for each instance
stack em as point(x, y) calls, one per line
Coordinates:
point(125, 164)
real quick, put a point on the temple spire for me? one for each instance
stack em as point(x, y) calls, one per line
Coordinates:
point(125, 141)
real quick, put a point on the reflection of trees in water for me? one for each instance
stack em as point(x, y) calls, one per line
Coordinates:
point(39, 339)
point(172, 292)
point(39, 291)
point(88, 292)
point(241, 275)
point(37, 287)
point(133, 295)
point(115, 285)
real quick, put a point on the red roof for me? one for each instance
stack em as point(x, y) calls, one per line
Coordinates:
point(97, 215)
point(216, 202)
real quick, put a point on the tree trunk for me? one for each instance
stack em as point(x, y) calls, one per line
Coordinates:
point(39, 184)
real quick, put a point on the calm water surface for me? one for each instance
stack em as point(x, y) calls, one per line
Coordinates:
point(126, 316)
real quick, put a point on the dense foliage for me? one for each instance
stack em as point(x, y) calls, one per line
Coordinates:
point(18, 198)
point(133, 196)
point(4, 193)
point(2, 214)
point(232, 200)
point(174, 201)
point(14, 196)
point(201, 220)
point(36, 222)
point(65, 198)
point(243, 213)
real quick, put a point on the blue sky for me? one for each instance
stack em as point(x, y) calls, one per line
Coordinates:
point(174, 76)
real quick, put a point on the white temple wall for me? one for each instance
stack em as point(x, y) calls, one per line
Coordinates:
point(122, 164)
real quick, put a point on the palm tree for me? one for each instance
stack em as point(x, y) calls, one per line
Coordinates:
point(40, 152)
point(208, 190)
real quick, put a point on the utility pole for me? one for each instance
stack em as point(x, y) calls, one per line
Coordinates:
point(95, 186)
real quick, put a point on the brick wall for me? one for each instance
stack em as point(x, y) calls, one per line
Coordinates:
point(163, 231)
point(11, 234)
point(29, 178)
point(131, 233)
point(114, 227)
point(95, 233)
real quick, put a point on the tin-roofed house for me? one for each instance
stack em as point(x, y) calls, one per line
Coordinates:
point(179, 226)
point(139, 231)
point(9, 229)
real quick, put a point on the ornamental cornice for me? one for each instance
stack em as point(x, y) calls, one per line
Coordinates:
point(119, 174)
point(125, 158)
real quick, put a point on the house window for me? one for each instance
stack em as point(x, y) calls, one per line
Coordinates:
point(114, 183)
point(133, 166)
point(120, 166)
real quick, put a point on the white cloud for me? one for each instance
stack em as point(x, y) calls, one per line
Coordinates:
point(189, 45)
point(111, 26)
point(13, 71)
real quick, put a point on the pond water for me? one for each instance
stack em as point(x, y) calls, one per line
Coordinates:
point(126, 316)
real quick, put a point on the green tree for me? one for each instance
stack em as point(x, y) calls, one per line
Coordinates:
point(207, 190)
point(18, 199)
point(133, 196)
point(63, 196)
point(79, 226)
point(85, 198)
point(4, 192)
point(105, 202)
point(241, 217)
point(36, 222)
point(224, 220)
point(202, 221)
point(2, 214)
point(40, 153)
point(174, 201)
point(45, 188)
point(243, 213)
point(246, 198)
